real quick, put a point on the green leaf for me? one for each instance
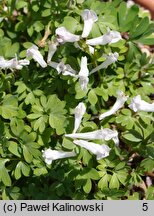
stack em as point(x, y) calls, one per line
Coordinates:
point(17, 126)
point(57, 119)
point(12, 50)
point(9, 107)
point(122, 176)
point(13, 148)
point(40, 171)
point(146, 41)
point(30, 98)
point(38, 26)
point(147, 164)
point(93, 174)
point(34, 115)
point(141, 28)
point(132, 136)
point(20, 4)
point(114, 182)
point(4, 175)
point(87, 187)
point(46, 13)
point(14, 193)
point(17, 171)
point(103, 182)
point(122, 14)
point(27, 155)
point(79, 92)
point(67, 143)
point(92, 97)
point(150, 150)
point(40, 123)
point(70, 23)
point(120, 166)
point(25, 168)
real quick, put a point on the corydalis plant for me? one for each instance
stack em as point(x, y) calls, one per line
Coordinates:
point(137, 104)
point(63, 35)
point(34, 53)
point(52, 49)
point(79, 112)
point(108, 38)
point(110, 59)
point(121, 99)
point(13, 63)
point(89, 17)
point(83, 74)
point(49, 155)
point(101, 151)
point(66, 70)
point(103, 134)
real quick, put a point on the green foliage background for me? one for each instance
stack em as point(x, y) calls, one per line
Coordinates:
point(36, 105)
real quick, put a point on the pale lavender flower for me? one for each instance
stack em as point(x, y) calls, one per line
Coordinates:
point(148, 181)
point(130, 3)
point(121, 99)
point(108, 38)
point(83, 74)
point(13, 63)
point(63, 35)
point(34, 53)
point(66, 70)
point(103, 134)
point(110, 59)
point(79, 112)
point(137, 104)
point(101, 151)
point(52, 49)
point(89, 17)
point(49, 155)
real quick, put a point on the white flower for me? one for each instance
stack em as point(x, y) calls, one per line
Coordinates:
point(34, 53)
point(89, 17)
point(52, 49)
point(62, 68)
point(83, 74)
point(137, 104)
point(110, 59)
point(13, 63)
point(103, 134)
point(63, 35)
point(49, 155)
point(121, 98)
point(79, 112)
point(108, 38)
point(101, 151)
point(130, 3)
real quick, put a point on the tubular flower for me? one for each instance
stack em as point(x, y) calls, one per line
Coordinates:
point(79, 112)
point(89, 17)
point(34, 53)
point(103, 134)
point(83, 74)
point(64, 36)
point(108, 38)
point(101, 151)
point(121, 99)
point(110, 59)
point(52, 49)
point(49, 155)
point(62, 68)
point(137, 104)
point(13, 63)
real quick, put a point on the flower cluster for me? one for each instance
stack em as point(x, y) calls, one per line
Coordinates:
point(62, 36)
point(104, 134)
